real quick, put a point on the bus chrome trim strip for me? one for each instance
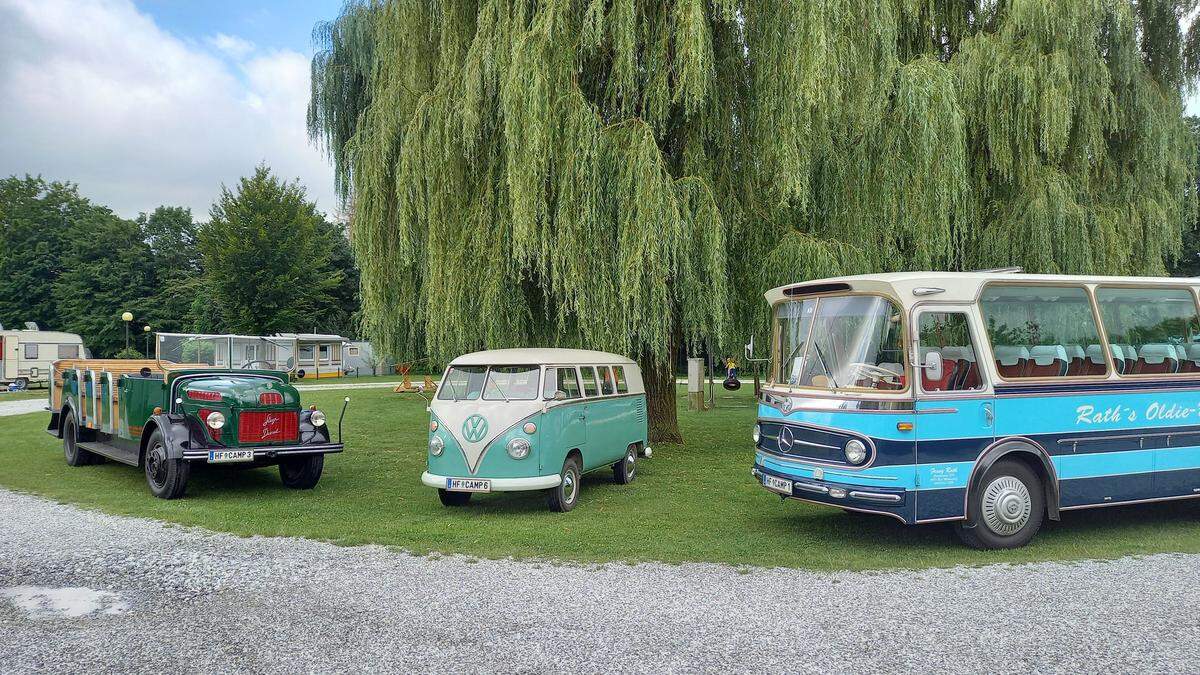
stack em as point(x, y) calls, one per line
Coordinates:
point(897, 516)
point(875, 496)
point(1080, 507)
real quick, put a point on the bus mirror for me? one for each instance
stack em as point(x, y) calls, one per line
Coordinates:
point(933, 365)
point(750, 349)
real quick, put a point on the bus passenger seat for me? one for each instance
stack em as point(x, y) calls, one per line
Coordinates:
point(966, 374)
point(1011, 360)
point(1075, 360)
point(1095, 361)
point(1048, 361)
point(1157, 358)
point(1131, 357)
point(898, 369)
point(1191, 364)
point(1118, 357)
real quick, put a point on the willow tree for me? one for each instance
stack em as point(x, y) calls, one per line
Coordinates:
point(630, 175)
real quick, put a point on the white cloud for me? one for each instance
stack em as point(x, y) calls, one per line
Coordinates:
point(94, 92)
point(233, 46)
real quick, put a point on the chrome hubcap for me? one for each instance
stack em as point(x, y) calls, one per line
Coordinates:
point(569, 486)
point(630, 462)
point(1006, 505)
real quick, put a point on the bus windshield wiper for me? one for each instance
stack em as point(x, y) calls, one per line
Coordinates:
point(496, 385)
point(824, 365)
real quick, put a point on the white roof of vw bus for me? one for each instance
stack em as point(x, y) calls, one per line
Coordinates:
point(913, 287)
point(536, 356)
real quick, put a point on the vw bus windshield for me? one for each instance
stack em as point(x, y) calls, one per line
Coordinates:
point(494, 383)
point(840, 343)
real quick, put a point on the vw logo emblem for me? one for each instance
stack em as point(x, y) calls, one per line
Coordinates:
point(475, 428)
point(785, 439)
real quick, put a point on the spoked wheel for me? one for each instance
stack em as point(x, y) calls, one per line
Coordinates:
point(566, 494)
point(166, 477)
point(301, 473)
point(449, 498)
point(624, 470)
point(76, 456)
point(1007, 509)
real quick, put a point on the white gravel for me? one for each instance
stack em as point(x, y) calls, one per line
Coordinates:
point(170, 599)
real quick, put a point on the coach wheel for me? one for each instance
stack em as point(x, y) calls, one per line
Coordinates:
point(1006, 510)
point(76, 456)
point(167, 478)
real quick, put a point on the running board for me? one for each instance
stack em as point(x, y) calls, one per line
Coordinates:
point(112, 452)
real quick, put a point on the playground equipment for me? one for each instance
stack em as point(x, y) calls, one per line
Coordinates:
point(406, 385)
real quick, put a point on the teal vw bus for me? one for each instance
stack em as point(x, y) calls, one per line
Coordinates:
point(534, 419)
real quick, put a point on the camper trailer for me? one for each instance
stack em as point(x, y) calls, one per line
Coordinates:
point(26, 355)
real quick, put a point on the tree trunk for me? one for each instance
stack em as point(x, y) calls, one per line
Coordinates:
point(659, 378)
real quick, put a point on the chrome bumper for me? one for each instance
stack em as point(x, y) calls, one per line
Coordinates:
point(271, 451)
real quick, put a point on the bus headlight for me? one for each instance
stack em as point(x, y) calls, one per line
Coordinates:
point(317, 418)
point(215, 420)
point(856, 452)
point(757, 433)
point(518, 448)
point(436, 445)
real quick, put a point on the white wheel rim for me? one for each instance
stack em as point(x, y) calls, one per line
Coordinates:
point(1006, 505)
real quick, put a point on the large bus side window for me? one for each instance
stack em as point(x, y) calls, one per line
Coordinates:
point(561, 379)
point(1042, 331)
point(948, 334)
point(1153, 329)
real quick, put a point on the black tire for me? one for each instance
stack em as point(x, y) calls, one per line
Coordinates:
point(167, 478)
point(1006, 510)
point(449, 498)
point(565, 495)
point(22, 383)
point(76, 456)
point(301, 473)
point(626, 469)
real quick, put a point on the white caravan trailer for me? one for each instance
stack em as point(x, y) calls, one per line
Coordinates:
point(26, 355)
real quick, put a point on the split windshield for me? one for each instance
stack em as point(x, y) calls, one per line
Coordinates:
point(847, 342)
point(495, 383)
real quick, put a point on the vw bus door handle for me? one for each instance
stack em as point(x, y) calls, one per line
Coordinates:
point(989, 414)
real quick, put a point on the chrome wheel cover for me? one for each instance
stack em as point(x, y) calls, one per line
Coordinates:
point(1006, 505)
point(630, 463)
point(569, 486)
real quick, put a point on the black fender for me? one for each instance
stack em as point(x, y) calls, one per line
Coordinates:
point(312, 435)
point(59, 419)
point(175, 433)
point(1027, 449)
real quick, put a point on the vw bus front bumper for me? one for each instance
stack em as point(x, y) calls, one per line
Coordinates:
point(433, 480)
point(895, 502)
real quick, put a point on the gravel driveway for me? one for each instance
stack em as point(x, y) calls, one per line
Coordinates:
point(83, 591)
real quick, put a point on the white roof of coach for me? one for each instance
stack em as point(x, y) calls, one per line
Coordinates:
point(537, 356)
point(958, 286)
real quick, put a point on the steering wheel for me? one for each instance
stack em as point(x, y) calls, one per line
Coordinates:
point(267, 365)
point(875, 372)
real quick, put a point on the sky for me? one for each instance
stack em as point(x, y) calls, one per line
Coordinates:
point(159, 102)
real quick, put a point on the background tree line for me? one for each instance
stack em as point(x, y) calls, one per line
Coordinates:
point(266, 261)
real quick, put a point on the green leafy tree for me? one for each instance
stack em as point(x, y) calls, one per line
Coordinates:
point(630, 175)
point(266, 257)
point(36, 219)
point(171, 235)
point(1188, 262)
point(108, 271)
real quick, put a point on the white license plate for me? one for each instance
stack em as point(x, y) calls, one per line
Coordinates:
point(217, 456)
point(779, 485)
point(468, 485)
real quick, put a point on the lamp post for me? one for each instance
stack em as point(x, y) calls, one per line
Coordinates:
point(127, 317)
point(146, 330)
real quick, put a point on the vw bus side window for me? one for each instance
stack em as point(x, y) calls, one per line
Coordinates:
point(948, 334)
point(606, 381)
point(619, 376)
point(463, 383)
point(1150, 330)
point(588, 374)
point(511, 383)
point(857, 342)
point(561, 379)
point(1042, 331)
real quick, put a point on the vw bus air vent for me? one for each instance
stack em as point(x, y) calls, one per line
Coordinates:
point(815, 288)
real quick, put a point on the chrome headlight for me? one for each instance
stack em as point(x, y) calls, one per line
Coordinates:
point(215, 420)
point(518, 448)
point(317, 418)
point(856, 452)
point(436, 445)
point(757, 433)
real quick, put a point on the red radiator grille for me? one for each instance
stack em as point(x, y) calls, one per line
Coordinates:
point(262, 426)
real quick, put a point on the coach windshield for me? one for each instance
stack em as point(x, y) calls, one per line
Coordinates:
point(851, 342)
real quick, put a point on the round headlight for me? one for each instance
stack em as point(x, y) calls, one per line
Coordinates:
point(856, 452)
point(518, 448)
point(529, 428)
point(436, 445)
point(757, 433)
point(215, 420)
point(317, 418)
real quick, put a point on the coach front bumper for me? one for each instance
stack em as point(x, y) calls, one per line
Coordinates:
point(809, 485)
point(270, 451)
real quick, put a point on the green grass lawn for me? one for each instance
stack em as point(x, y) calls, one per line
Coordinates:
point(696, 502)
point(27, 395)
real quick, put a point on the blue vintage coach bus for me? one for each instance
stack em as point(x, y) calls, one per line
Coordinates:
point(993, 399)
